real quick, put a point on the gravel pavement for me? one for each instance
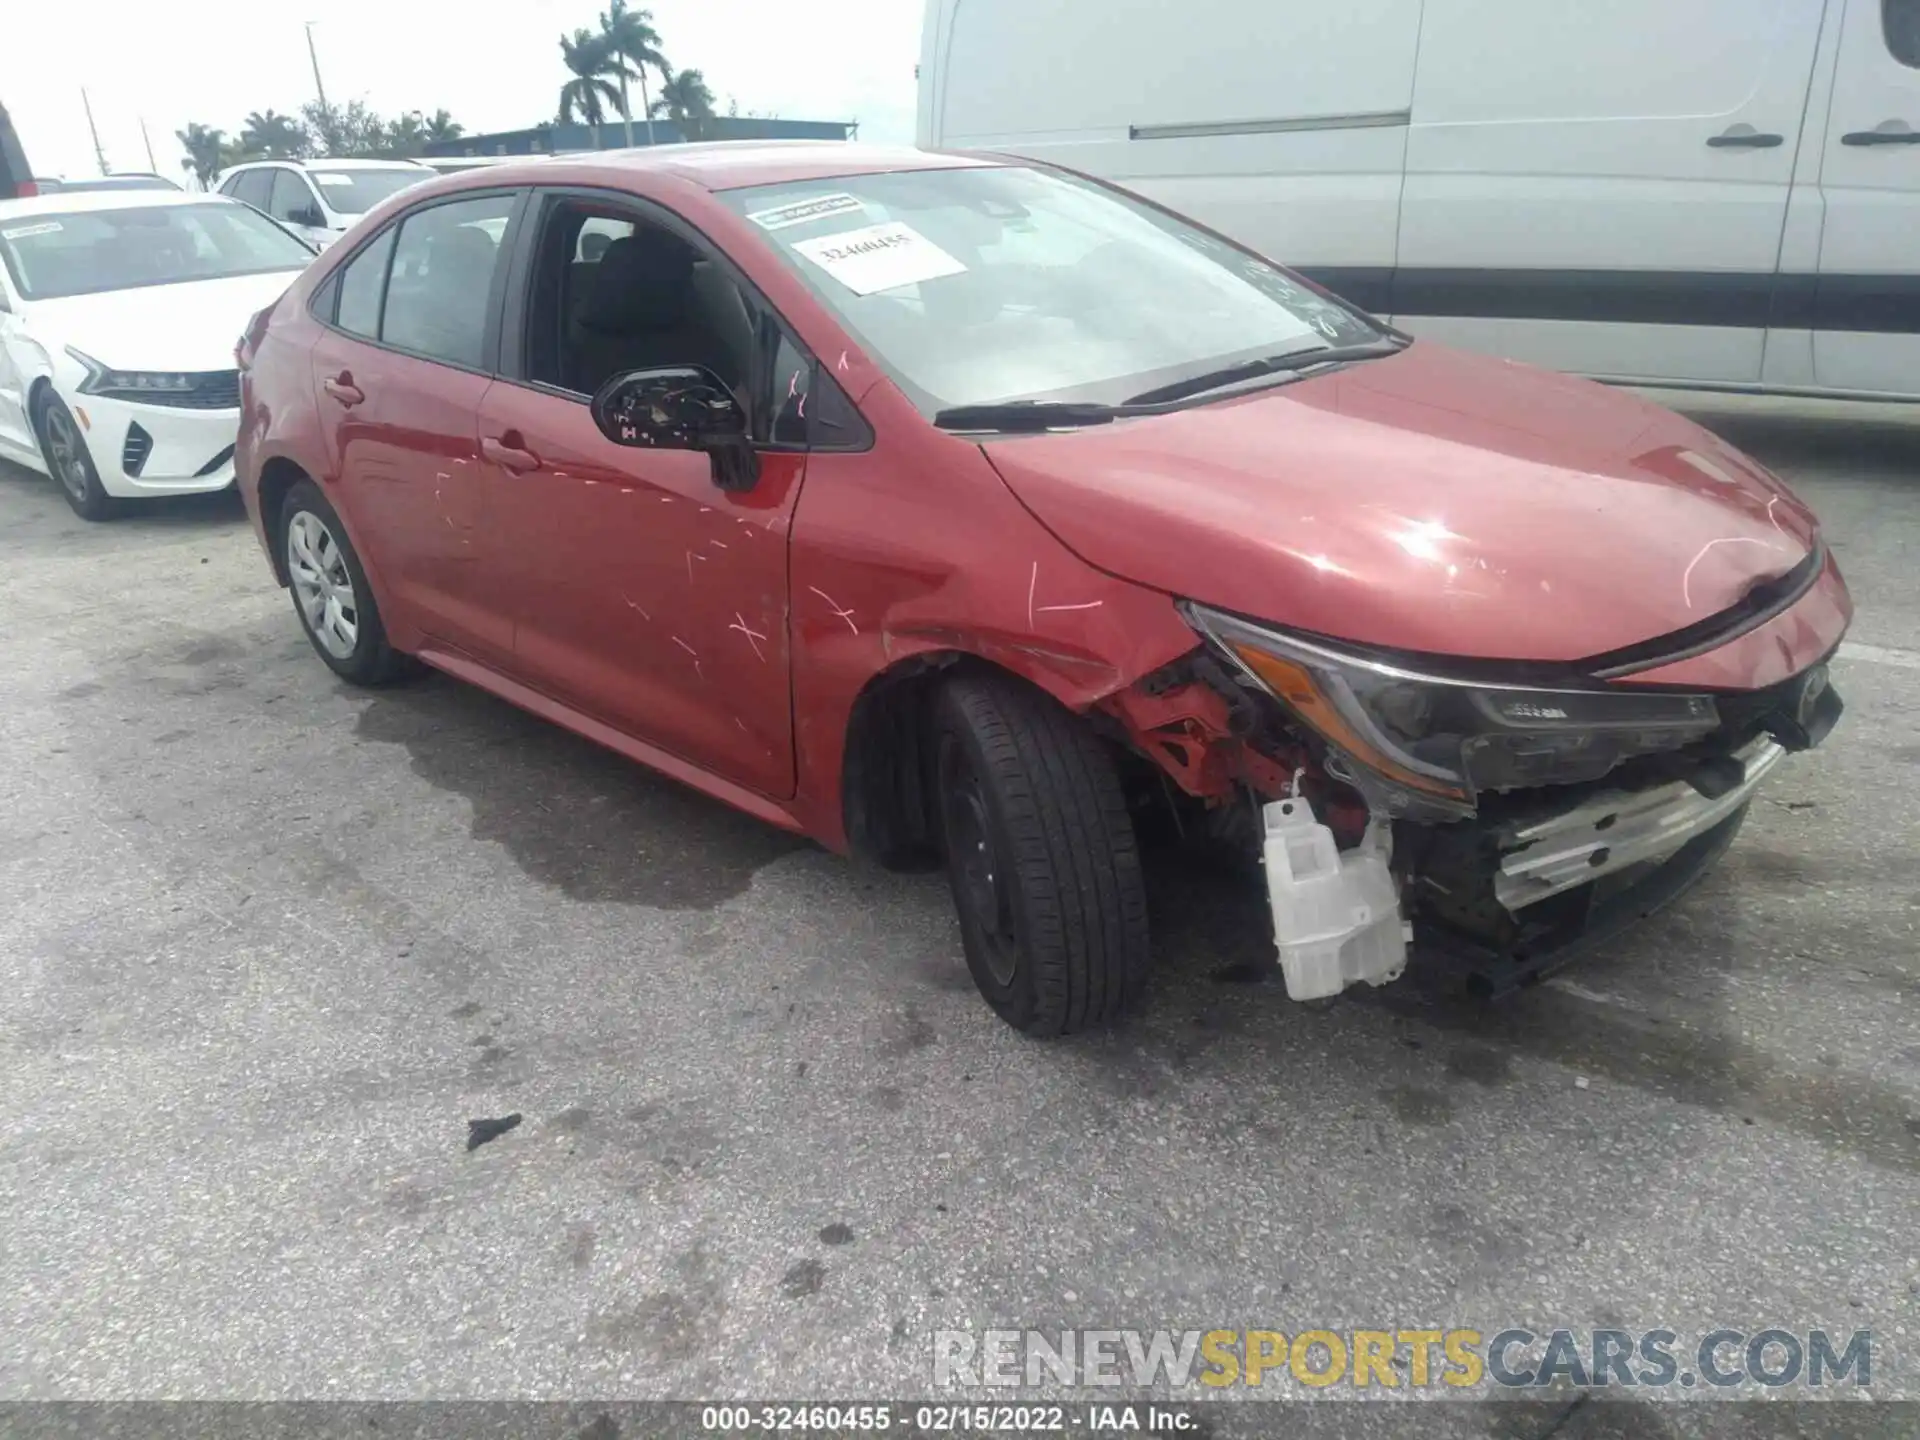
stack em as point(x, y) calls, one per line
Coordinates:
point(269, 944)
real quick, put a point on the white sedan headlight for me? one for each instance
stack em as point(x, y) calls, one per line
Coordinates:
point(130, 384)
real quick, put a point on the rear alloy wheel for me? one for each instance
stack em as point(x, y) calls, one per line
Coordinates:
point(70, 461)
point(1041, 856)
point(330, 591)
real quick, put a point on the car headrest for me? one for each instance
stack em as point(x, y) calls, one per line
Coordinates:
point(465, 250)
point(641, 283)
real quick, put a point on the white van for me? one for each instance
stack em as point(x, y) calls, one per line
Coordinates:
point(1711, 193)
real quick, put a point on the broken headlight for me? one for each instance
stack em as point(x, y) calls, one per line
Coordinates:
point(1424, 742)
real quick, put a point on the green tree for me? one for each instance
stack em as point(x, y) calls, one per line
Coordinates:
point(405, 136)
point(442, 127)
point(206, 149)
point(633, 44)
point(684, 97)
point(590, 91)
point(343, 131)
point(272, 135)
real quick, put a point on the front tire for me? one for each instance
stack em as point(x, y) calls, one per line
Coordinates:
point(70, 461)
point(1042, 858)
point(330, 591)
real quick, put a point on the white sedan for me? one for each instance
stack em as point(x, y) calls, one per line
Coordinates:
point(119, 313)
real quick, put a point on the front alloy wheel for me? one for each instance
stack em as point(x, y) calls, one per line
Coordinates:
point(1041, 855)
point(70, 461)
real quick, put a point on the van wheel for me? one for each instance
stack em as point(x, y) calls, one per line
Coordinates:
point(330, 591)
point(1041, 855)
point(70, 461)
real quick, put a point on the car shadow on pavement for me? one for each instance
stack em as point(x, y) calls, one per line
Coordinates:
point(219, 509)
point(1216, 972)
point(572, 815)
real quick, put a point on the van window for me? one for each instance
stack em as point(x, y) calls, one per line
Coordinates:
point(1901, 20)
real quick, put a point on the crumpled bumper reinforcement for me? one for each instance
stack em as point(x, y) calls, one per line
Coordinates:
point(1617, 830)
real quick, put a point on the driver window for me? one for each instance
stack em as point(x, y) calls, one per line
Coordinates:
point(614, 292)
point(292, 199)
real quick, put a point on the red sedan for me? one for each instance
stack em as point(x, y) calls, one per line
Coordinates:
point(952, 509)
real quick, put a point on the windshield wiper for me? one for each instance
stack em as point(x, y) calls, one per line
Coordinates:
point(1268, 365)
point(1024, 415)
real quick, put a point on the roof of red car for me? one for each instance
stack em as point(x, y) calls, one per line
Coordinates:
point(734, 164)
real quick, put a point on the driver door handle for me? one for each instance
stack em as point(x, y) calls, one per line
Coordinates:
point(1887, 132)
point(342, 388)
point(1744, 137)
point(509, 453)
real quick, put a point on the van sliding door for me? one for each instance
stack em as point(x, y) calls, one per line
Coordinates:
point(1865, 306)
point(1601, 188)
point(1282, 123)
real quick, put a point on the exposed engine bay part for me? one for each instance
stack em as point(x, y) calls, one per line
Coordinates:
point(1336, 914)
point(1201, 733)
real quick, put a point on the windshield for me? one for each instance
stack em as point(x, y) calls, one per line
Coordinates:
point(977, 286)
point(354, 192)
point(85, 252)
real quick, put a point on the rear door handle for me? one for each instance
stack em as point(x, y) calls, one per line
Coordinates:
point(1744, 137)
point(342, 388)
point(1887, 132)
point(509, 457)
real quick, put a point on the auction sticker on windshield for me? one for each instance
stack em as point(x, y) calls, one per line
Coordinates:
point(805, 211)
point(879, 257)
point(21, 232)
point(326, 179)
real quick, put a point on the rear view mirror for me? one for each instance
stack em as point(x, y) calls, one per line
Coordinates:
point(679, 407)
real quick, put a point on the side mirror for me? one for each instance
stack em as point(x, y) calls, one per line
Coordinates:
point(308, 215)
point(680, 407)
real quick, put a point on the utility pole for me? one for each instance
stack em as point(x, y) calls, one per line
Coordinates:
point(99, 154)
point(152, 164)
point(314, 56)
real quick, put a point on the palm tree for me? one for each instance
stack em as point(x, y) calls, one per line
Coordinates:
point(590, 63)
point(206, 149)
point(634, 45)
point(272, 134)
point(404, 136)
point(684, 97)
point(442, 127)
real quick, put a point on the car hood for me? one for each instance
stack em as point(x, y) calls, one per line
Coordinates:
point(1434, 501)
point(192, 326)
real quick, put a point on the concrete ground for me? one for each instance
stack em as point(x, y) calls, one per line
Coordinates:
point(269, 943)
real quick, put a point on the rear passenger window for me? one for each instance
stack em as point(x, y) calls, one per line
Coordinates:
point(361, 282)
point(441, 278)
point(1901, 20)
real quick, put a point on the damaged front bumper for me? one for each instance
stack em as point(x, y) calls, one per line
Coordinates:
point(1619, 830)
point(1512, 897)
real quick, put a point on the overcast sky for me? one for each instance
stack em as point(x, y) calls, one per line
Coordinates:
point(495, 64)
